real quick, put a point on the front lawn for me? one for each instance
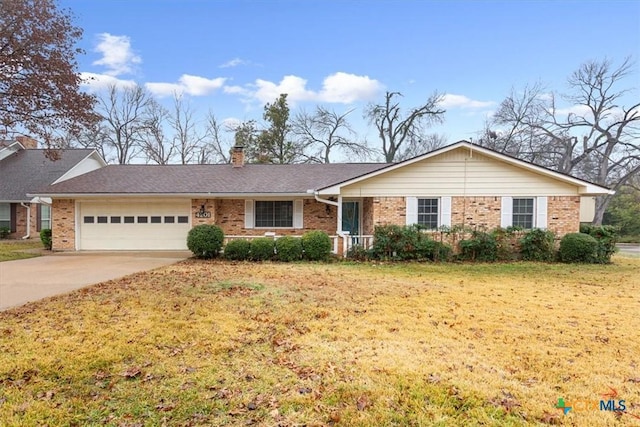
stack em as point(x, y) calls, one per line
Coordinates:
point(219, 343)
point(19, 249)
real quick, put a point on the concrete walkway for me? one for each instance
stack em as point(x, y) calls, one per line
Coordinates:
point(32, 279)
point(629, 248)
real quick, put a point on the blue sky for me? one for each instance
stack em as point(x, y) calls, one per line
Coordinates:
point(231, 57)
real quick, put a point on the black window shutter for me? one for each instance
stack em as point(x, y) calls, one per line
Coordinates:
point(13, 217)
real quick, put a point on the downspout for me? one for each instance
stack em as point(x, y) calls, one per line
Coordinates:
point(28, 207)
point(337, 205)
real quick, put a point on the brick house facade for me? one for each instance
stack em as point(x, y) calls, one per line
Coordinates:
point(462, 185)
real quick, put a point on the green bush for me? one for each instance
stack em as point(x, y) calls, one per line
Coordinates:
point(607, 237)
point(237, 250)
point(262, 249)
point(4, 232)
point(441, 252)
point(288, 248)
point(538, 245)
point(205, 241)
point(506, 241)
point(358, 253)
point(400, 242)
point(578, 247)
point(480, 247)
point(45, 238)
point(316, 245)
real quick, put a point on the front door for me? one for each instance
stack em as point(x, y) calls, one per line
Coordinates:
point(351, 217)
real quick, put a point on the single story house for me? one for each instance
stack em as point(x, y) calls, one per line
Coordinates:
point(142, 207)
point(25, 169)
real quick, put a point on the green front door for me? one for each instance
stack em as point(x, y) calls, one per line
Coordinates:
point(351, 217)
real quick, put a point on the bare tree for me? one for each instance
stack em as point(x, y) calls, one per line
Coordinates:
point(124, 113)
point(39, 81)
point(324, 132)
point(156, 146)
point(597, 140)
point(185, 136)
point(214, 148)
point(396, 129)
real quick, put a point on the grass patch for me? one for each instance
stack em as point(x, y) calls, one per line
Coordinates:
point(216, 343)
point(19, 249)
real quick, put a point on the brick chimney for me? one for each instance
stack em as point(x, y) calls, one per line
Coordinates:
point(237, 156)
point(27, 142)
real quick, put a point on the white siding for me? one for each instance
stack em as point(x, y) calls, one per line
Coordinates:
point(455, 173)
point(86, 165)
point(587, 209)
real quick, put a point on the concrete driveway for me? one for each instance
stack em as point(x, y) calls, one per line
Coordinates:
point(32, 279)
point(629, 248)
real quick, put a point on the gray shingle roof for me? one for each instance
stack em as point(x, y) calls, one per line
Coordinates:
point(27, 171)
point(215, 179)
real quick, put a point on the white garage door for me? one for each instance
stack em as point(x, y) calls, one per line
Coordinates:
point(134, 225)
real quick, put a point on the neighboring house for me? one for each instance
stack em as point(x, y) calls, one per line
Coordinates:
point(25, 169)
point(138, 207)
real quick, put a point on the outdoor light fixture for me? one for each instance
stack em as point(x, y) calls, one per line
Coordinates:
point(202, 210)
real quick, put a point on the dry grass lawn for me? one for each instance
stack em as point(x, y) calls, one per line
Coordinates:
point(20, 249)
point(216, 343)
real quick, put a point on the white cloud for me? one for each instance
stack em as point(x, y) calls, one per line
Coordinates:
point(347, 88)
point(451, 100)
point(117, 55)
point(96, 82)
point(191, 85)
point(580, 110)
point(231, 123)
point(342, 88)
point(234, 63)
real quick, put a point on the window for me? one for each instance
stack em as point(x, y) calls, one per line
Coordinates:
point(45, 216)
point(102, 220)
point(5, 215)
point(169, 219)
point(143, 220)
point(183, 219)
point(88, 220)
point(274, 213)
point(428, 213)
point(156, 219)
point(129, 219)
point(522, 213)
point(115, 220)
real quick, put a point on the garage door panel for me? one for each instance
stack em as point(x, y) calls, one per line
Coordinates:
point(134, 226)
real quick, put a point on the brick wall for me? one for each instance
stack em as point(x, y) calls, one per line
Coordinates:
point(209, 205)
point(476, 212)
point(21, 222)
point(563, 214)
point(389, 210)
point(63, 213)
point(367, 216)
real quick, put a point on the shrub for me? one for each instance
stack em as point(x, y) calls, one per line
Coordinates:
point(607, 237)
point(538, 245)
point(400, 242)
point(288, 248)
point(262, 249)
point(358, 253)
point(45, 238)
point(205, 241)
point(506, 243)
point(578, 247)
point(441, 252)
point(316, 245)
point(4, 232)
point(480, 247)
point(237, 250)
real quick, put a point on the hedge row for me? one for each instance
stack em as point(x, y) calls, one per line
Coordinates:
point(206, 241)
point(393, 242)
point(398, 243)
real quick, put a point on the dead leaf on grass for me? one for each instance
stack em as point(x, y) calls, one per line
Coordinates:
point(634, 380)
point(132, 372)
point(552, 419)
point(363, 403)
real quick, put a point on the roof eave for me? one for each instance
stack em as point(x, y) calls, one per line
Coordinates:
point(166, 195)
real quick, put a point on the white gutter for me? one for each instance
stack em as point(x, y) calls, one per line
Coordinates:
point(28, 220)
point(169, 195)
